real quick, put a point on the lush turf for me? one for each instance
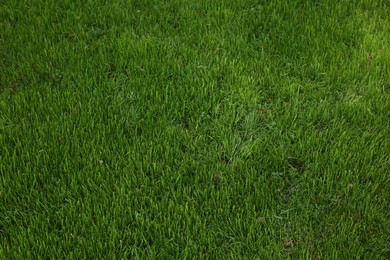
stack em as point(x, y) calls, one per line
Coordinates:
point(194, 129)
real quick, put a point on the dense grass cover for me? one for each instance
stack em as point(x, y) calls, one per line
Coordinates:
point(194, 129)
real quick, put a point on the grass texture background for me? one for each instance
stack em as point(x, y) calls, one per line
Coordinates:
point(194, 129)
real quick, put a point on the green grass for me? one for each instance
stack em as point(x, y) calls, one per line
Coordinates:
point(194, 129)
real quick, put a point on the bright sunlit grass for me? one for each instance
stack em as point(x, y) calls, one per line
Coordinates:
point(194, 129)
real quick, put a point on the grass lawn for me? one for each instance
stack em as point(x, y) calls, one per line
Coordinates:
point(199, 129)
